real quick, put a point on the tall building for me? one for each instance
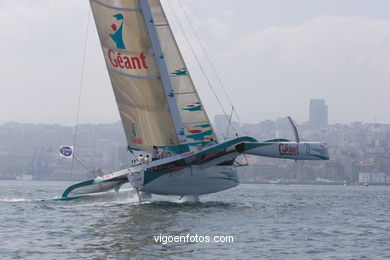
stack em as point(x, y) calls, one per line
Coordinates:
point(318, 114)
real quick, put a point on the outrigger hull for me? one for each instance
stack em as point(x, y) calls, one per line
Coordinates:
point(186, 182)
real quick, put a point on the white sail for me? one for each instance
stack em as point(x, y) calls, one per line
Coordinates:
point(196, 122)
point(145, 108)
point(156, 97)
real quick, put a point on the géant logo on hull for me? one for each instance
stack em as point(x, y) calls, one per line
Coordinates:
point(286, 149)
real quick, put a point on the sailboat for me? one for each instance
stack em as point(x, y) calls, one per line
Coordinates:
point(160, 107)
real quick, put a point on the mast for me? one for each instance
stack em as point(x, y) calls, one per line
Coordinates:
point(165, 76)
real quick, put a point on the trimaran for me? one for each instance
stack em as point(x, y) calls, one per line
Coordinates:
point(159, 106)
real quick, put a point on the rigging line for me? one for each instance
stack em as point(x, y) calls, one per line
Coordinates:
point(209, 60)
point(131, 151)
point(82, 164)
point(197, 59)
point(79, 99)
point(134, 161)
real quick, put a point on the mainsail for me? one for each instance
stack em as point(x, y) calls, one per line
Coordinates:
point(156, 98)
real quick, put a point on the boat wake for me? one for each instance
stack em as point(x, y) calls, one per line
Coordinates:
point(16, 200)
point(129, 196)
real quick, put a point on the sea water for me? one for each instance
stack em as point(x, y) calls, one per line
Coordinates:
point(264, 222)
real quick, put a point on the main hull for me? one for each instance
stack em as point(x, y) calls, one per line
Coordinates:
point(208, 170)
point(193, 181)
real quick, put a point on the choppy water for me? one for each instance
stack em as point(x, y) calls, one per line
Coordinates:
point(266, 221)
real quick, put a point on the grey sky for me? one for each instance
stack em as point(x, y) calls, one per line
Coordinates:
point(273, 56)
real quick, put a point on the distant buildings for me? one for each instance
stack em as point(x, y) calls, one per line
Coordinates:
point(373, 178)
point(224, 128)
point(30, 151)
point(359, 152)
point(318, 114)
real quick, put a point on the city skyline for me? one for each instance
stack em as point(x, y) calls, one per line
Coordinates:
point(234, 120)
point(357, 149)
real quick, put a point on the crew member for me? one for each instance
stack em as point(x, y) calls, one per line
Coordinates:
point(155, 154)
point(140, 159)
point(201, 146)
point(211, 143)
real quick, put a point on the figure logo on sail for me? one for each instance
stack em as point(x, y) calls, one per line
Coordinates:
point(133, 130)
point(134, 138)
point(120, 59)
point(117, 36)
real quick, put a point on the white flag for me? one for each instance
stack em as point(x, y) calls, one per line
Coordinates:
point(66, 151)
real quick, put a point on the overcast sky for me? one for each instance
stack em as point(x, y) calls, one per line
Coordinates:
point(272, 56)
